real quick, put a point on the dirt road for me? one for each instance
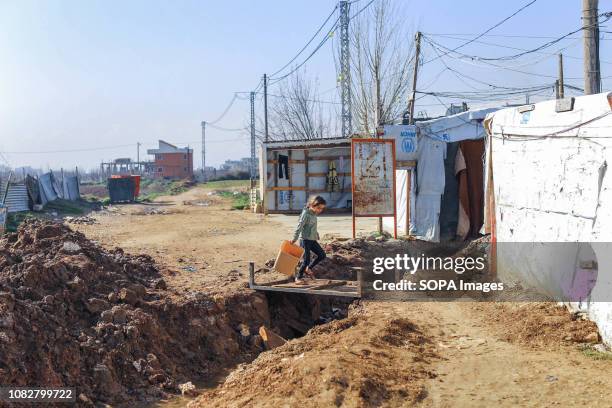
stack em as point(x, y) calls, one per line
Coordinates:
point(199, 237)
point(386, 354)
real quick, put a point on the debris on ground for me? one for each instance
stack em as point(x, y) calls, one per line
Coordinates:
point(84, 220)
point(541, 324)
point(103, 322)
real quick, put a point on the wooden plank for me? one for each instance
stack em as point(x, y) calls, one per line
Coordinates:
point(405, 163)
point(409, 187)
point(275, 180)
point(271, 339)
point(289, 177)
point(306, 179)
point(320, 158)
point(325, 174)
point(350, 291)
point(287, 189)
point(330, 285)
point(275, 161)
point(277, 282)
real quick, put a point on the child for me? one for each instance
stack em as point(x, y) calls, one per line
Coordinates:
point(307, 229)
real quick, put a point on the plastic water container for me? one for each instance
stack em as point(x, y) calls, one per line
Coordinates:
point(288, 257)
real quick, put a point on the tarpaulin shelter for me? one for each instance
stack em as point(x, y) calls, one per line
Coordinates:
point(441, 191)
point(549, 200)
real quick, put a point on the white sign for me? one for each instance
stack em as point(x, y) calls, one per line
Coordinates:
point(405, 137)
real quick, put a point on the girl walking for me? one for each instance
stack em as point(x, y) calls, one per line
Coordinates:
point(307, 230)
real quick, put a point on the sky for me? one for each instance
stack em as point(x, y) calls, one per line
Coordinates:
point(84, 81)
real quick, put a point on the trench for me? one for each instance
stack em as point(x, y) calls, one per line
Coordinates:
point(290, 315)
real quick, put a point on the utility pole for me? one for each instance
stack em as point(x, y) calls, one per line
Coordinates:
point(414, 78)
point(345, 70)
point(138, 155)
point(590, 25)
point(204, 151)
point(252, 166)
point(265, 86)
point(561, 87)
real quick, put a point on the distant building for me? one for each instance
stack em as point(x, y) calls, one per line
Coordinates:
point(171, 161)
point(238, 166)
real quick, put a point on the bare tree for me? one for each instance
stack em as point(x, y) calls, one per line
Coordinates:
point(381, 50)
point(296, 111)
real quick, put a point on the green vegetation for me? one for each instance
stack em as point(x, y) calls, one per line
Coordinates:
point(228, 184)
point(14, 219)
point(150, 189)
point(68, 207)
point(240, 200)
point(590, 352)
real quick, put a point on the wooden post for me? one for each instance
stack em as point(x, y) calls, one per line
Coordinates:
point(414, 78)
point(306, 177)
point(560, 86)
point(275, 163)
point(289, 177)
point(251, 274)
point(408, 188)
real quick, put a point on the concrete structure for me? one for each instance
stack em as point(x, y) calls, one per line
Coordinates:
point(548, 202)
point(171, 161)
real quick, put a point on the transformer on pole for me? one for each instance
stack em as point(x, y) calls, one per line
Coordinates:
point(345, 74)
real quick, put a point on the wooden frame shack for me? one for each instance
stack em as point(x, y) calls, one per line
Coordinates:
point(293, 170)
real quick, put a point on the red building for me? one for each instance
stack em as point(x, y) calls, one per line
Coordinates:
point(172, 162)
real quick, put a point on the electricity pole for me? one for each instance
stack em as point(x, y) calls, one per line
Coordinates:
point(561, 87)
point(265, 86)
point(252, 167)
point(204, 151)
point(138, 155)
point(414, 78)
point(345, 71)
point(590, 24)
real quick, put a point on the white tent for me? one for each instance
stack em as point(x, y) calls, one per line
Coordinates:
point(427, 187)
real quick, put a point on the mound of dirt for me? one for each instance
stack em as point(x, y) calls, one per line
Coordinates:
point(75, 315)
point(539, 324)
point(371, 359)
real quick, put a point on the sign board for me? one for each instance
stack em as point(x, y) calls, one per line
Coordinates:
point(2, 219)
point(373, 178)
point(405, 137)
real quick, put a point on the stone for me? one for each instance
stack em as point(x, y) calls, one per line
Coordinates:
point(244, 330)
point(71, 247)
point(128, 296)
point(592, 337)
point(188, 389)
point(119, 315)
point(95, 305)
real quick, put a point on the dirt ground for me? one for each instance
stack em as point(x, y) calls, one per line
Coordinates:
point(446, 354)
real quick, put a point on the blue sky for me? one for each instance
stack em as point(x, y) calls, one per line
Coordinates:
point(94, 74)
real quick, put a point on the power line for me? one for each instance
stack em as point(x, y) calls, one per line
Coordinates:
point(308, 43)
point(318, 47)
point(229, 106)
point(362, 9)
point(488, 30)
point(526, 52)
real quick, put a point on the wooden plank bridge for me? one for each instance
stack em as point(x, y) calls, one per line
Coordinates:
point(322, 287)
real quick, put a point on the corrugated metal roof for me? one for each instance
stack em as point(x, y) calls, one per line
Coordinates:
point(16, 198)
point(308, 143)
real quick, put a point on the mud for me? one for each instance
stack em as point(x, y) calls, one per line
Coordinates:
point(75, 315)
